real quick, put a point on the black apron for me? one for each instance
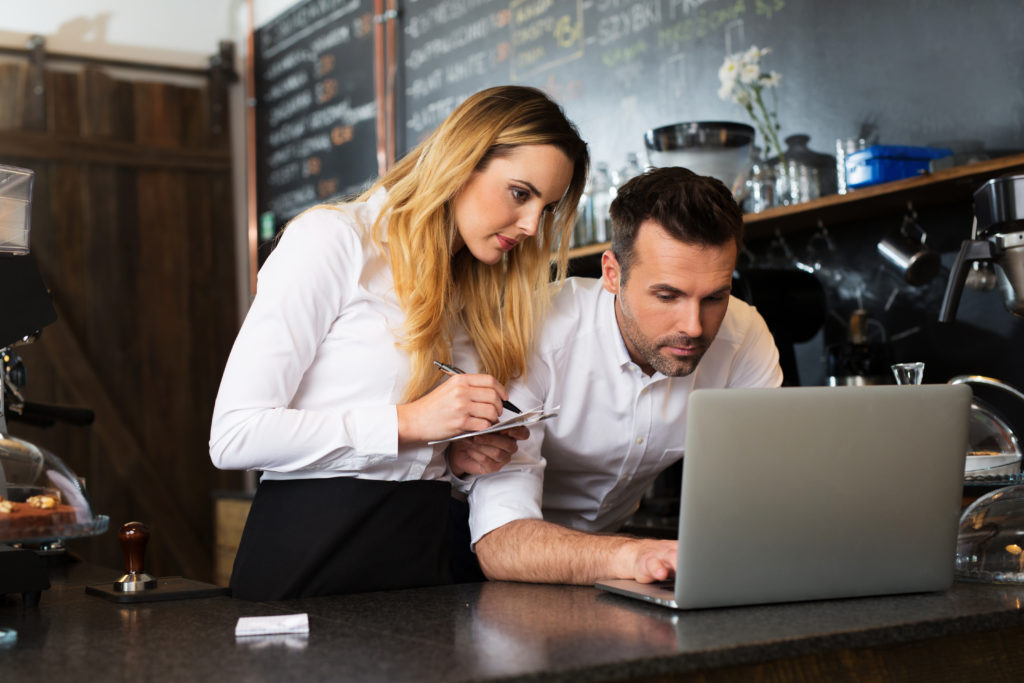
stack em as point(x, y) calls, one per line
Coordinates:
point(307, 537)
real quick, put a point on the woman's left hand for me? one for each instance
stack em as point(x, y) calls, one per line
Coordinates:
point(485, 453)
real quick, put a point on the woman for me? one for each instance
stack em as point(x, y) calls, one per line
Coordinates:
point(330, 388)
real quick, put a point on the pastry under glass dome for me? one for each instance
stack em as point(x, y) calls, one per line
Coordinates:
point(990, 542)
point(994, 455)
point(41, 499)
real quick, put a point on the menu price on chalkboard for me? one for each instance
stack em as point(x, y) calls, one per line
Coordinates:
point(450, 49)
point(545, 34)
point(315, 108)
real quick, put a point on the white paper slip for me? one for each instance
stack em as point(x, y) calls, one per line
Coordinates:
point(524, 419)
point(281, 623)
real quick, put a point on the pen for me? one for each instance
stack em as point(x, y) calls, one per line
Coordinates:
point(452, 370)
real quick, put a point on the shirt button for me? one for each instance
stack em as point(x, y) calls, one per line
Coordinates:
point(639, 439)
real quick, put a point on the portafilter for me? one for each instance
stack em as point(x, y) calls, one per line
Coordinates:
point(998, 238)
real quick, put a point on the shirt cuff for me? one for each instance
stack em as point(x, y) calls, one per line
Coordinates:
point(503, 497)
point(374, 431)
point(461, 484)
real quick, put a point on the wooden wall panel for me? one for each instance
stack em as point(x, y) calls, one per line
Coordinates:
point(163, 329)
point(195, 131)
point(108, 111)
point(63, 114)
point(132, 230)
point(158, 114)
point(12, 85)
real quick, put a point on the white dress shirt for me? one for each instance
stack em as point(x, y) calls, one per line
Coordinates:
point(617, 427)
point(313, 380)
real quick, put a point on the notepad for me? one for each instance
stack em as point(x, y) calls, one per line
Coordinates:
point(524, 419)
point(272, 625)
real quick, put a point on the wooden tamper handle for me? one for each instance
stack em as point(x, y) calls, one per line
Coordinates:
point(134, 536)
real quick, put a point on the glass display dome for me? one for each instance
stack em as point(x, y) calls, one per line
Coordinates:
point(993, 453)
point(41, 500)
point(990, 542)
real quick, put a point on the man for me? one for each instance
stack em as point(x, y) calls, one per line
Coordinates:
point(618, 357)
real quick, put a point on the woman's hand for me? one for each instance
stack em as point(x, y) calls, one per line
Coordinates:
point(484, 453)
point(462, 403)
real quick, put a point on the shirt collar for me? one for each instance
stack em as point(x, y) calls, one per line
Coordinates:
point(609, 322)
point(375, 203)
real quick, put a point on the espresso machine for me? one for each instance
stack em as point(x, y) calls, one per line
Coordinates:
point(42, 502)
point(994, 256)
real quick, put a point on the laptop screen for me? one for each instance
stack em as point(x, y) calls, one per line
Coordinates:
point(803, 493)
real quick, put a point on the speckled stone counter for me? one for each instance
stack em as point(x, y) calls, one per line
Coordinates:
point(508, 631)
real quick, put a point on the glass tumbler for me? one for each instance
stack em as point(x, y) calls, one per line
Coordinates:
point(845, 147)
point(908, 373)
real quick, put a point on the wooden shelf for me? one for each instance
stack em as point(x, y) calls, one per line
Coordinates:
point(947, 186)
point(589, 250)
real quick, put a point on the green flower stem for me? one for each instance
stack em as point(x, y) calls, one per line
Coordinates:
point(771, 124)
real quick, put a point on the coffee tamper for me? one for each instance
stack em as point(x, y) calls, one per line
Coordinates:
point(134, 536)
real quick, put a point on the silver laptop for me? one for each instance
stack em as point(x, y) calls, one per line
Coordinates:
point(808, 493)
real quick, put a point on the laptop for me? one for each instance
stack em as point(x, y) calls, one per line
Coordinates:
point(811, 493)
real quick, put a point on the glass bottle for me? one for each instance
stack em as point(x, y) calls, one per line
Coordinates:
point(581, 230)
point(602, 191)
point(630, 170)
point(760, 184)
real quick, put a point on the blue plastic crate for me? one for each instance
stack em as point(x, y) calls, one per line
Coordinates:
point(882, 163)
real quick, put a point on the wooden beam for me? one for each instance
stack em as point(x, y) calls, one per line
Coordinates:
point(162, 509)
point(23, 144)
point(90, 60)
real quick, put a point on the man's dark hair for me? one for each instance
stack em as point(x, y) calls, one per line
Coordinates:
point(694, 209)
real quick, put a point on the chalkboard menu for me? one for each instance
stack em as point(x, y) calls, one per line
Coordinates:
point(618, 67)
point(315, 109)
point(927, 72)
point(917, 73)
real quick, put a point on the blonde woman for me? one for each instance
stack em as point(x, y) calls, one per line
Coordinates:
point(330, 389)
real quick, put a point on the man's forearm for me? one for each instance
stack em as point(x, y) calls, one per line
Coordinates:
point(541, 552)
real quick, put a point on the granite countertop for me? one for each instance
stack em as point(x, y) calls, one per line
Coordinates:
point(469, 632)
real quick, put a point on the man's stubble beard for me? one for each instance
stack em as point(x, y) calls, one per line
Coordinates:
point(648, 349)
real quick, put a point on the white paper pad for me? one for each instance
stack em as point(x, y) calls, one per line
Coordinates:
point(524, 419)
point(282, 623)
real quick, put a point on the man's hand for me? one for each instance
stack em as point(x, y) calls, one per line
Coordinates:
point(484, 453)
point(648, 560)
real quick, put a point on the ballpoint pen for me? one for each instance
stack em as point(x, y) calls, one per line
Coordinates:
point(452, 370)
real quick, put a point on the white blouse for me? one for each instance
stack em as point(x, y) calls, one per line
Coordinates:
point(313, 380)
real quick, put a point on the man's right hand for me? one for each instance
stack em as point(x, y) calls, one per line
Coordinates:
point(649, 560)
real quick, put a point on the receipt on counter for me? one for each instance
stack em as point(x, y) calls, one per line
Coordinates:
point(281, 623)
point(524, 419)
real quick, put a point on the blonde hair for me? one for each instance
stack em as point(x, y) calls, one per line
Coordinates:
point(498, 304)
